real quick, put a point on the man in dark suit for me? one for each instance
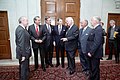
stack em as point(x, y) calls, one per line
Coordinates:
point(48, 42)
point(23, 48)
point(82, 46)
point(94, 48)
point(112, 43)
point(38, 37)
point(71, 43)
point(58, 33)
point(117, 36)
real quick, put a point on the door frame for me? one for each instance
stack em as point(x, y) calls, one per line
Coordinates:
point(108, 25)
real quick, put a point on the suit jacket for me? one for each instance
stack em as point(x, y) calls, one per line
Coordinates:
point(83, 39)
point(49, 36)
point(23, 48)
point(118, 39)
point(57, 36)
point(109, 30)
point(72, 36)
point(94, 42)
point(34, 35)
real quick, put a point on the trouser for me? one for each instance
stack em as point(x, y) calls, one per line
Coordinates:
point(94, 64)
point(42, 56)
point(49, 54)
point(60, 49)
point(71, 60)
point(112, 45)
point(24, 69)
point(84, 62)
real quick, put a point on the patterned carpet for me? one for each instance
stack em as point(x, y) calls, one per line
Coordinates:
point(108, 69)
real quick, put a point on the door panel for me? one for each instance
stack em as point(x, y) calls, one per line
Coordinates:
point(111, 16)
point(60, 9)
point(5, 50)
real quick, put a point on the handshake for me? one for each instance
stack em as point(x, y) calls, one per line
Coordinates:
point(38, 41)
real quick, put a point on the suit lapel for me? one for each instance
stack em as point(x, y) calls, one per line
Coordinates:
point(69, 30)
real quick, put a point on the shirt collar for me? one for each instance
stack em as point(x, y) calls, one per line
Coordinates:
point(96, 26)
point(113, 26)
point(85, 28)
point(71, 26)
point(22, 26)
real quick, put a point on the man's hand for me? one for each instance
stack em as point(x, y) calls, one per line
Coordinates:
point(40, 41)
point(89, 55)
point(37, 41)
point(23, 58)
point(54, 43)
point(64, 39)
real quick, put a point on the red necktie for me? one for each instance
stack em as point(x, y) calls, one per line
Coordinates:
point(37, 30)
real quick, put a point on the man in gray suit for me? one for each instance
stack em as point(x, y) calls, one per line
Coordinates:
point(23, 48)
point(82, 46)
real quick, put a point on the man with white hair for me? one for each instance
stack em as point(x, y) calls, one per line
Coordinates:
point(23, 48)
point(71, 43)
point(111, 39)
point(94, 48)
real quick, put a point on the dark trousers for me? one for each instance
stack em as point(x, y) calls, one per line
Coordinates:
point(49, 54)
point(71, 60)
point(24, 69)
point(94, 64)
point(112, 45)
point(42, 56)
point(84, 62)
point(59, 49)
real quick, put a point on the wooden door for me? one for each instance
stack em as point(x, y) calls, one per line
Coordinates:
point(5, 50)
point(112, 16)
point(60, 9)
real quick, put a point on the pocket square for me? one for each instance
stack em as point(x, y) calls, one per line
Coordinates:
point(86, 34)
point(63, 30)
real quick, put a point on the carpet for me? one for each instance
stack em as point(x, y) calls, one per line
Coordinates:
point(108, 71)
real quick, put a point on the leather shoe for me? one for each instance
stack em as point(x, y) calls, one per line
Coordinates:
point(67, 68)
point(63, 66)
point(51, 65)
point(35, 69)
point(47, 65)
point(57, 65)
point(71, 72)
point(44, 69)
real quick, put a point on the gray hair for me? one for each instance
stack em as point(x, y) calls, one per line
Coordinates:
point(112, 21)
point(97, 18)
point(86, 21)
point(21, 19)
point(70, 18)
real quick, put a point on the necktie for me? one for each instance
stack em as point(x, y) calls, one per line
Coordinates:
point(82, 32)
point(59, 29)
point(37, 30)
point(49, 28)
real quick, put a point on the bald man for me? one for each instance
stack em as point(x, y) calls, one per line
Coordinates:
point(82, 47)
point(23, 48)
